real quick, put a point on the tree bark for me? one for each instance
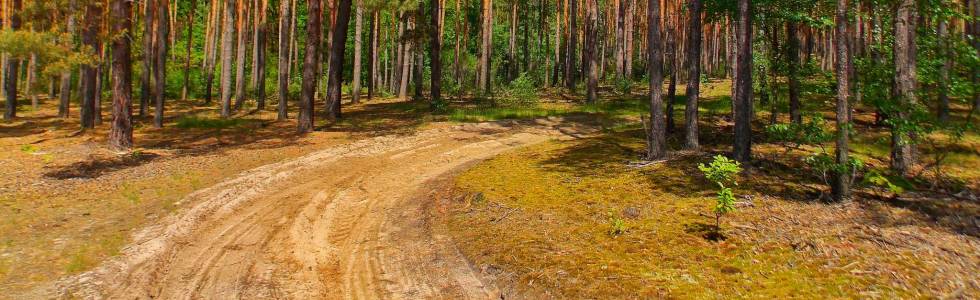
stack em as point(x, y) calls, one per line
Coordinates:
point(190, 45)
point(743, 98)
point(373, 58)
point(902, 155)
point(64, 90)
point(589, 66)
point(121, 131)
point(13, 64)
point(260, 53)
point(435, 54)
point(793, 67)
point(570, 51)
point(355, 91)
point(227, 50)
point(160, 63)
point(841, 181)
point(285, 15)
point(942, 111)
point(336, 68)
point(146, 88)
point(657, 137)
point(240, 55)
point(93, 14)
point(693, 75)
point(304, 122)
point(486, 46)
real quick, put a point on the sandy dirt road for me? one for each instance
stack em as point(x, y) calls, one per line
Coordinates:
point(347, 222)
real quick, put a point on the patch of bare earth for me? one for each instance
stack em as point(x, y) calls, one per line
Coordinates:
point(346, 221)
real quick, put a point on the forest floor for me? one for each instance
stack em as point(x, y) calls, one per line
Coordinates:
point(371, 206)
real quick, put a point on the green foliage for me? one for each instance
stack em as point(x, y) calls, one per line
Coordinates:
point(623, 85)
point(522, 92)
point(28, 149)
point(721, 171)
point(875, 178)
point(825, 165)
point(811, 131)
point(617, 225)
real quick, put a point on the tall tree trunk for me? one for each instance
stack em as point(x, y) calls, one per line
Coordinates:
point(435, 54)
point(304, 122)
point(512, 43)
point(841, 181)
point(743, 98)
point(793, 63)
point(657, 137)
point(99, 73)
point(336, 68)
point(355, 91)
point(285, 15)
point(260, 53)
point(227, 50)
point(190, 45)
point(146, 88)
point(211, 51)
point(693, 75)
point(64, 90)
point(31, 76)
point(160, 64)
point(93, 16)
point(10, 82)
point(902, 156)
point(372, 58)
point(591, 42)
point(571, 49)
point(242, 28)
point(942, 111)
point(121, 132)
point(486, 46)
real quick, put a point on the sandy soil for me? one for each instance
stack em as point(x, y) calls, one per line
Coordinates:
point(349, 221)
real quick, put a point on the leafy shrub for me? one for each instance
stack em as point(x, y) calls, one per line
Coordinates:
point(875, 178)
point(623, 85)
point(617, 225)
point(522, 92)
point(722, 171)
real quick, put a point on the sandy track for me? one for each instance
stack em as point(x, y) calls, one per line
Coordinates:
point(348, 222)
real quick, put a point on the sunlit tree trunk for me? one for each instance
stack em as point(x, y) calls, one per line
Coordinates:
point(64, 89)
point(486, 46)
point(336, 68)
point(304, 122)
point(285, 17)
point(146, 87)
point(657, 137)
point(227, 50)
point(160, 61)
point(841, 181)
point(902, 155)
point(93, 16)
point(693, 75)
point(435, 54)
point(242, 28)
point(121, 131)
point(570, 51)
point(355, 95)
point(10, 81)
point(743, 98)
point(190, 45)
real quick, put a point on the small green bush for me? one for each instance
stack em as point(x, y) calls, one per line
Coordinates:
point(722, 171)
point(522, 92)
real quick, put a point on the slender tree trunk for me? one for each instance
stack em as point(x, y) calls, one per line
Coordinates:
point(146, 88)
point(591, 42)
point(260, 53)
point(486, 46)
point(190, 45)
point(435, 54)
point(227, 50)
point(902, 156)
point(657, 137)
point(310, 65)
point(31, 75)
point(793, 63)
point(285, 15)
point(943, 110)
point(240, 55)
point(841, 181)
point(373, 57)
point(694, 75)
point(211, 51)
point(93, 14)
point(743, 98)
point(512, 43)
point(65, 88)
point(160, 65)
point(99, 72)
point(355, 92)
point(121, 132)
point(10, 81)
point(570, 50)
point(336, 68)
